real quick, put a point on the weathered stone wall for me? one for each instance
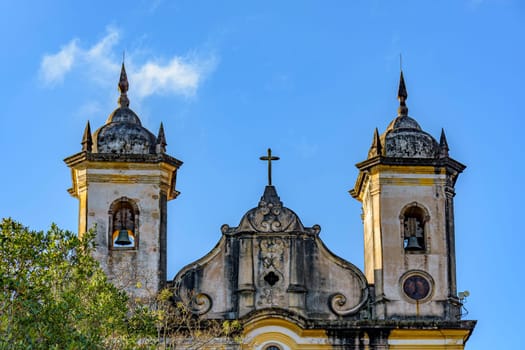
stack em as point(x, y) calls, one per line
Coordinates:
point(129, 267)
point(140, 269)
point(139, 266)
point(288, 271)
point(387, 193)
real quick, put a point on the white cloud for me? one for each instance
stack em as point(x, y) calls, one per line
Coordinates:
point(104, 47)
point(97, 60)
point(180, 76)
point(54, 67)
point(100, 60)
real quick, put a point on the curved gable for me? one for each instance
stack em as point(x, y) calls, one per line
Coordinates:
point(291, 270)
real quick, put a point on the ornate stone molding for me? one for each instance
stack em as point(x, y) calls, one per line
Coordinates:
point(270, 216)
point(201, 303)
point(338, 302)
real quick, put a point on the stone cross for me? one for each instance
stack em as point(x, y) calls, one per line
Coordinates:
point(269, 158)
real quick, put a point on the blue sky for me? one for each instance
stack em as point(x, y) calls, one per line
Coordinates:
point(310, 79)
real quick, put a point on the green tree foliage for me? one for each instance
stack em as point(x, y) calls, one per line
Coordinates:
point(53, 293)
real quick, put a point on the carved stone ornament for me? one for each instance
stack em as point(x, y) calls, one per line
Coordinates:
point(200, 304)
point(271, 276)
point(272, 250)
point(270, 216)
point(190, 295)
point(338, 303)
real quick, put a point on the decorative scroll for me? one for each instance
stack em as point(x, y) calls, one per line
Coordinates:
point(338, 302)
point(200, 304)
point(271, 216)
point(197, 302)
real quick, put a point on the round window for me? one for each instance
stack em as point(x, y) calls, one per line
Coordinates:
point(416, 287)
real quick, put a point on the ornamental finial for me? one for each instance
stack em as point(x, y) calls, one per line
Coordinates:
point(87, 141)
point(402, 96)
point(123, 87)
point(161, 140)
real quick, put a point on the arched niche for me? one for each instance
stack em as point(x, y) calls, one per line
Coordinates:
point(123, 224)
point(414, 218)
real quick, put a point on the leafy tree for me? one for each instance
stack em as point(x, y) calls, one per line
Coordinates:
point(54, 295)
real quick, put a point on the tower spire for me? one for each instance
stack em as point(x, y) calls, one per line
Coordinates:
point(402, 97)
point(161, 140)
point(123, 87)
point(375, 149)
point(87, 141)
point(443, 144)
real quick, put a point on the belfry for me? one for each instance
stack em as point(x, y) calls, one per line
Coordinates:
point(406, 186)
point(123, 179)
point(273, 273)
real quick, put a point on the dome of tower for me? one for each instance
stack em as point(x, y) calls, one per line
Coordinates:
point(123, 115)
point(403, 122)
point(404, 138)
point(123, 132)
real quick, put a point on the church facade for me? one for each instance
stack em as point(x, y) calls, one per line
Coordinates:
point(271, 272)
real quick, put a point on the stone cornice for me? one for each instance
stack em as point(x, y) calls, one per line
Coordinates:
point(352, 325)
point(392, 324)
point(137, 169)
point(445, 162)
point(121, 158)
point(348, 325)
point(450, 165)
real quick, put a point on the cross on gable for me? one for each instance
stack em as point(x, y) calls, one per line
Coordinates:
point(269, 159)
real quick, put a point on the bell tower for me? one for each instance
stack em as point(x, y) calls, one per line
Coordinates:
point(123, 179)
point(406, 187)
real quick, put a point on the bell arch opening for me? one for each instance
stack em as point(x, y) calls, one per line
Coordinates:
point(414, 218)
point(123, 224)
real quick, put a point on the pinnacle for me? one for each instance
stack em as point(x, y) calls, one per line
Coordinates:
point(123, 87)
point(87, 141)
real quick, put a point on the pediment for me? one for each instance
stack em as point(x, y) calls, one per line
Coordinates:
point(289, 271)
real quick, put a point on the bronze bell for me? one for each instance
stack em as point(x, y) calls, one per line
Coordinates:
point(413, 244)
point(123, 237)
